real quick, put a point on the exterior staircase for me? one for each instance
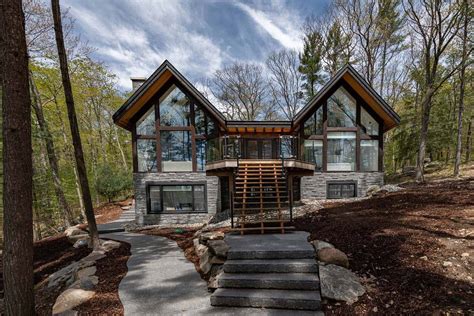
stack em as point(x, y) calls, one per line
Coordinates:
point(261, 201)
point(269, 271)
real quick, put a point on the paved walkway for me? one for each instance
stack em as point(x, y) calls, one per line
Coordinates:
point(161, 281)
point(126, 217)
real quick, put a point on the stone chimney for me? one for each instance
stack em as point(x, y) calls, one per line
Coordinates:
point(137, 82)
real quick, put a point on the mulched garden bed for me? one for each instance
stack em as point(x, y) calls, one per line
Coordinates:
point(50, 255)
point(110, 271)
point(407, 247)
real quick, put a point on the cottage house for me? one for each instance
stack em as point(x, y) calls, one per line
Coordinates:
point(191, 163)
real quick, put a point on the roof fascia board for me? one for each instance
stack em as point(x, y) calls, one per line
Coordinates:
point(338, 76)
point(166, 65)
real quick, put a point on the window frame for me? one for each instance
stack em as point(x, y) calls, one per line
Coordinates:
point(360, 103)
point(175, 183)
point(155, 102)
point(336, 182)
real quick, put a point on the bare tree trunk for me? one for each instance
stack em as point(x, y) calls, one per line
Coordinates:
point(469, 141)
point(17, 163)
point(37, 218)
point(122, 154)
point(425, 120)
point(382, 74)
point(52, 158)
point(76, 137)
point(457, 162)
point(68, 155)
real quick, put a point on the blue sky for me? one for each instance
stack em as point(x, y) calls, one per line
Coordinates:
point(197, 36)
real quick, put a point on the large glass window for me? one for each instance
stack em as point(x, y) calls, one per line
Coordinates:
point(183, 198)
point(341, 190)
point(341, 153)
point(201, 154)
point(314, 124)
point(369, 124)
point(146, 155)
point(369, 155)
point(313, 152)
point(174, 108)
point(177, 198)
point(176, 151)
point(200, 121)
point(146, 124)
point(155, 199)
point(341, 109)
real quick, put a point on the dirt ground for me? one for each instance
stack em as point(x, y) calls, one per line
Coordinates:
point(413, 249)
point(110, 211)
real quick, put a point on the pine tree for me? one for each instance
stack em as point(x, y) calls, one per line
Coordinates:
point(311, 62)
point(337, 49)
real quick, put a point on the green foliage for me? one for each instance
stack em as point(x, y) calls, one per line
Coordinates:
point(310, 62)
point(336, 49)
point(111, 182)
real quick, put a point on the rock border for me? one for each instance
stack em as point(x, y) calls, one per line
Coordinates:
point(336, 280)
point(78, 278)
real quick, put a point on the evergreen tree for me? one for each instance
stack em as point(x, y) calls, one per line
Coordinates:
point(337, 49)
point(311, 62)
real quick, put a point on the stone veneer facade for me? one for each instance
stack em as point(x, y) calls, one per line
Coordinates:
point(314, 187)
point(140, 182)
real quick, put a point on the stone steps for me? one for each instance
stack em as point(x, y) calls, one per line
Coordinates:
point(269, 271)
point(281, 281)
point(287, 299)
point(270, 266)
point(277, 253)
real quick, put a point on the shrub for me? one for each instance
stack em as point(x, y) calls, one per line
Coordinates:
point(112, 182)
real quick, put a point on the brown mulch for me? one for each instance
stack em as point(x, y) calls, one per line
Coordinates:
point(109, 212)
point(184, 238)
point(50, 255)
point(110, 271)
point(397, 243)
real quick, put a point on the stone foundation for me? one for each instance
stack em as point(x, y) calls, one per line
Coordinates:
point(314, 187)
point(140, 182)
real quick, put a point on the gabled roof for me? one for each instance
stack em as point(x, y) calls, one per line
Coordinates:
point(366, 92)
point(147, 90)
point(166, 71)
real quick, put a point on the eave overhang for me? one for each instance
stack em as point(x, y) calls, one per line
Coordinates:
point(124, 115)
point(368, 94)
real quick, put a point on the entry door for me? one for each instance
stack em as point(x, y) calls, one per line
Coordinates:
point(259, 149)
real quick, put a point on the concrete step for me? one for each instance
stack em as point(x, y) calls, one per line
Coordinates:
point(270, 266)
point(270, 254)
point(288, 299)
point(282, 281)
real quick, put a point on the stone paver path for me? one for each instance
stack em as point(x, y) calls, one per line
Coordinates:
point(126, 217)
point(161, 281)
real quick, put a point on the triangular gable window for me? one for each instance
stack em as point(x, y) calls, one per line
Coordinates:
point(175, 108)
point(146, 124)
point(341, 109)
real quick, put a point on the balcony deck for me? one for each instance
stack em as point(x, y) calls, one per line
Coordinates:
point(291, 164)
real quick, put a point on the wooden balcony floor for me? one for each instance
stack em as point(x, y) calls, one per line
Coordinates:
point(226, 164)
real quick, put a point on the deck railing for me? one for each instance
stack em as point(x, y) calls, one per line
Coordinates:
point(231, 147)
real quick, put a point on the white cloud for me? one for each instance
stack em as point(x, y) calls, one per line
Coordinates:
point(134, 37)
point(278, 23)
